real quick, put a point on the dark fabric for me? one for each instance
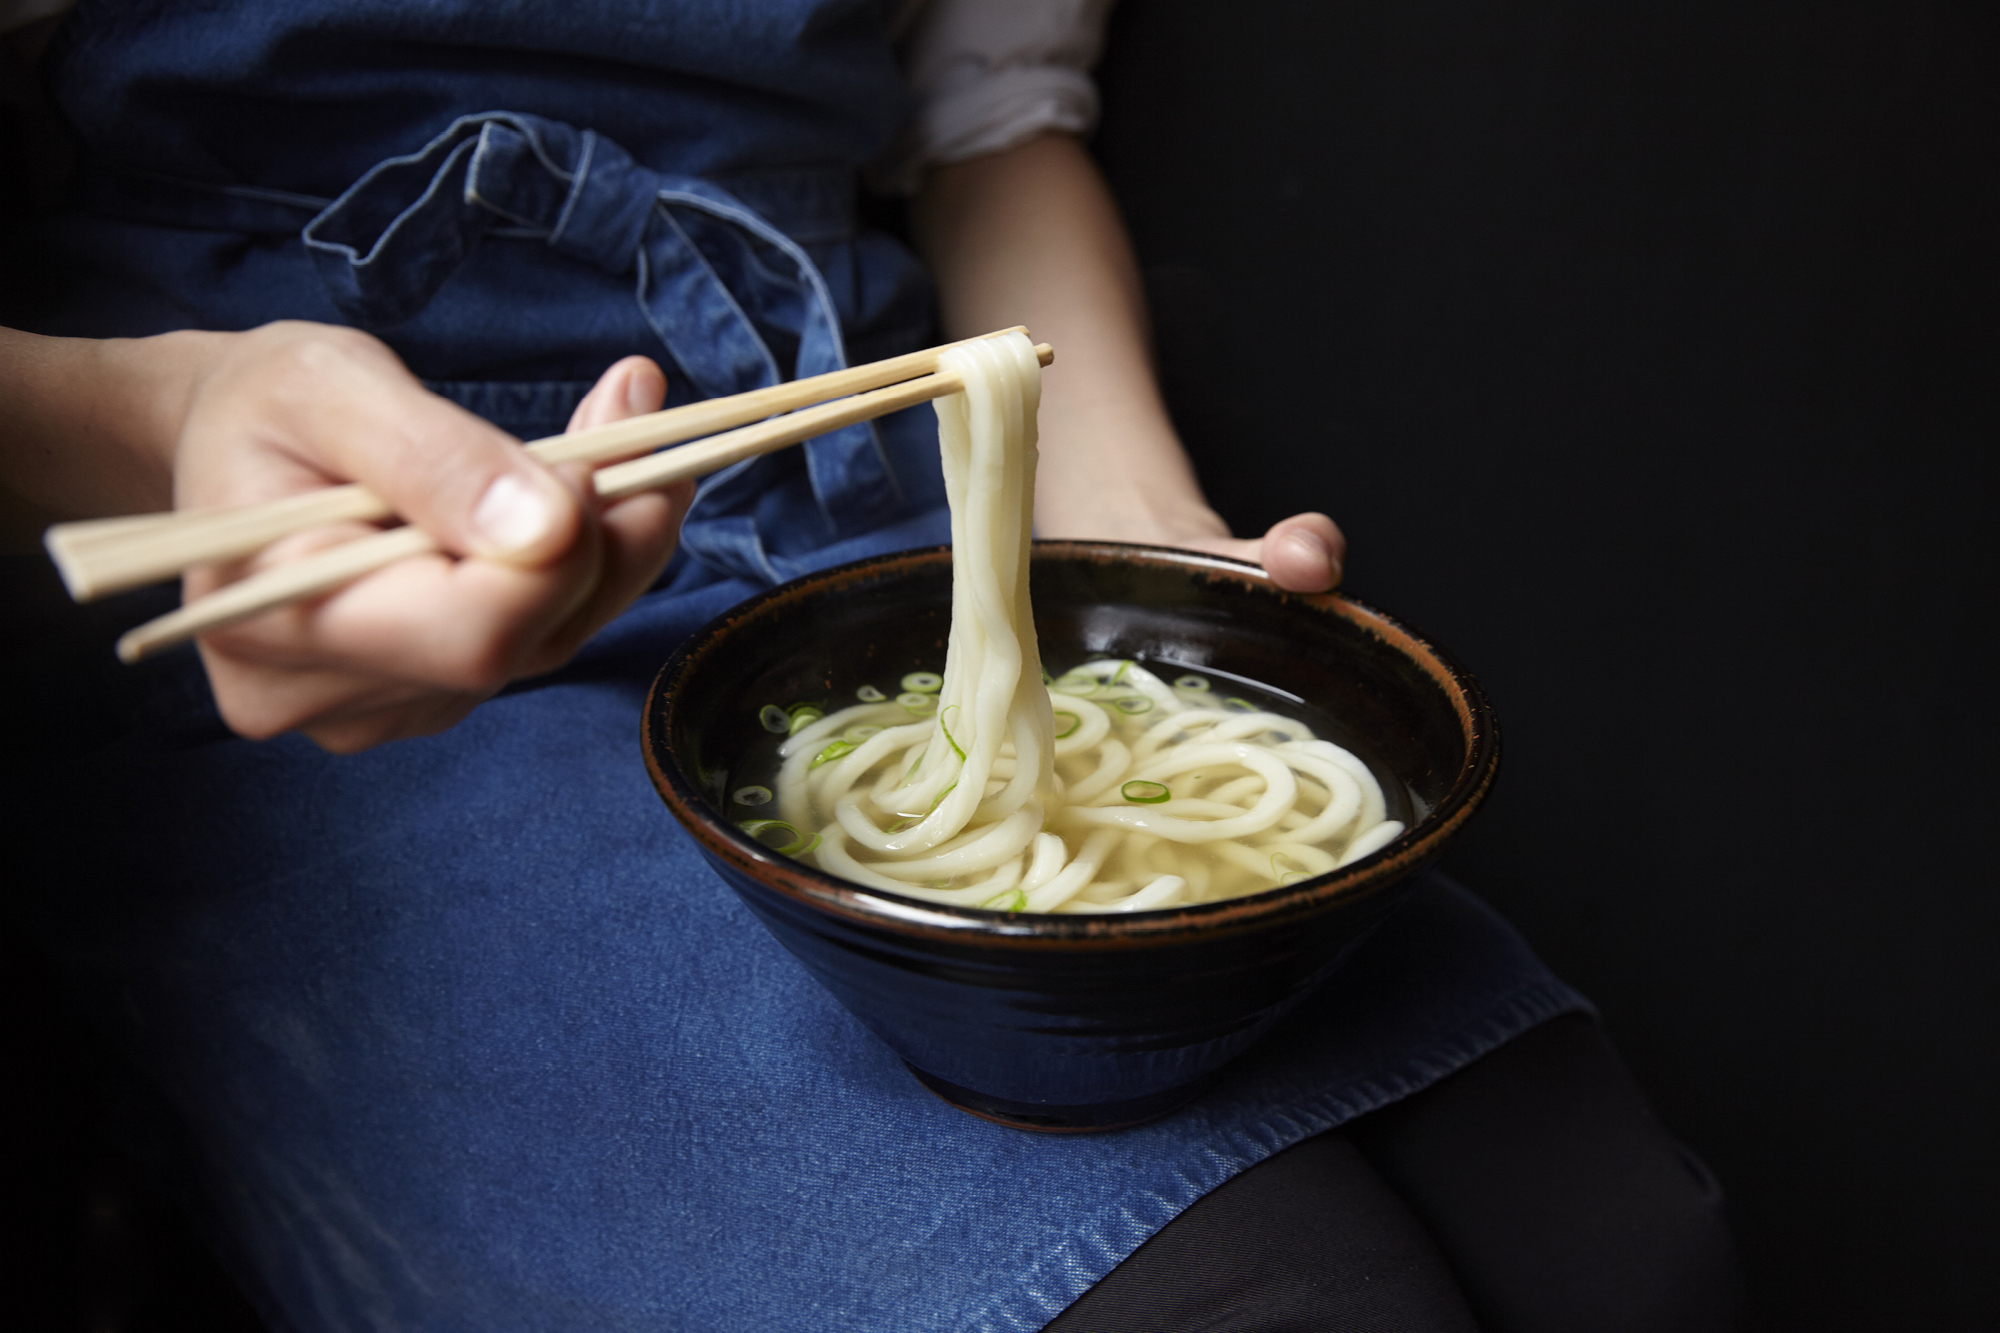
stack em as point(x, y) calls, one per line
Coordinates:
point(93, 1243)
point(1313, 1239)
point(1533, 1192)
point(313, 94)
point(210, 135)
point(1560, 1200)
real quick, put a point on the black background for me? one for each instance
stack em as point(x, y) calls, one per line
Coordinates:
point(1645, 353)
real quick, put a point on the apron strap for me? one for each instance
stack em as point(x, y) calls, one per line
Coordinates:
point(707, 269)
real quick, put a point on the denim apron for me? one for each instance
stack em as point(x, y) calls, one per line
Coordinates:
point(459, 1033)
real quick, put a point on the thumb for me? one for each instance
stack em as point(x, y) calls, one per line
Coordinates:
point(467, 483)
point(631, 387)
point(1303, 553)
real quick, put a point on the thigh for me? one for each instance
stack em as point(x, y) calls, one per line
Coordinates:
point(1310, 1241)
point(1557, 1197)
point(1532, 1192)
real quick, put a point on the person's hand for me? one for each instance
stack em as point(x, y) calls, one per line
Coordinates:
point(532, 564)
point(1030, 235)
point(1303, 553)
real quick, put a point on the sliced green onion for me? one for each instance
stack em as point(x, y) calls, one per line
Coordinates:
point(1075, 682)
point(917, 703)
point(941, 795)
point(1119, 674)
point(1198, 684)
point(801, 716)
point(917, 762)
point(1074, 722)
point(1135, 703)
point(752, 796)
point(947, 733)
point(798, 845)
point(1011, 901)
point(837, 750)
point(775, 719)
point(861, 731)
point(1141, 792)
point(868, 694)
point(1284, 876)
point(906, 822)
point(1236, 705)
point(923, 682)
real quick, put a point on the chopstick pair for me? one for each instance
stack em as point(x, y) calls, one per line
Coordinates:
point(101, 556)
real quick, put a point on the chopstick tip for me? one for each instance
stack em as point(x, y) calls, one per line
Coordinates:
point(74, 578)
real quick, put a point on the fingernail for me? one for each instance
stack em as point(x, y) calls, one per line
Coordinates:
point(513, 514)
point(1309, 544)
point(638, 396)
point(1313, 546)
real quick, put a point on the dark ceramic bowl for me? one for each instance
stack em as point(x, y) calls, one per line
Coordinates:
point(1065, 1022)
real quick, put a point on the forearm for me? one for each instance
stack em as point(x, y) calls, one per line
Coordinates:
point(1031, 236)
point(88, 426)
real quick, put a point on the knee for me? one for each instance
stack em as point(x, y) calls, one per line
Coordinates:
point(1558, 1197)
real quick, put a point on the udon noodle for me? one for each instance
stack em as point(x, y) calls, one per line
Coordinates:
point(1105, 790)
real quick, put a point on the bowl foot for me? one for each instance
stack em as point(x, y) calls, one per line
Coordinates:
point(1043, 1118)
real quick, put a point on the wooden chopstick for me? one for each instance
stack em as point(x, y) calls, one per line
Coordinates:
point(342, 564)
point(97, 557)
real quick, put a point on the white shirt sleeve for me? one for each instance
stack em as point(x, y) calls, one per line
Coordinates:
point(988, 74)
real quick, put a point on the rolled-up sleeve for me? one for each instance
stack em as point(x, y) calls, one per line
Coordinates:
point(989, 74)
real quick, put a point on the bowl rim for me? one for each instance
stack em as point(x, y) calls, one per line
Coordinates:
point(868, 907)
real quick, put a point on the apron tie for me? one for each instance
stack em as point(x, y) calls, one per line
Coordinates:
point(712, 277)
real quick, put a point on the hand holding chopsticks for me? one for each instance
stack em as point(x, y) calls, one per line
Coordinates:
point(109, 555)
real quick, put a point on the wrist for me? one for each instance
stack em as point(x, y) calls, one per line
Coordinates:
point(91, 425)
point(159, 378)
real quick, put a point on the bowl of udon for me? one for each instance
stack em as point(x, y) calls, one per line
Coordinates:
point(1122, 1007)
point(1066, 825)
